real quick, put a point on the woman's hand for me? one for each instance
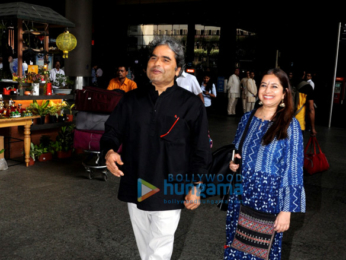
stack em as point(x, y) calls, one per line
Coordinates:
point(232, 166)
point(207, 93)
point(282, 222)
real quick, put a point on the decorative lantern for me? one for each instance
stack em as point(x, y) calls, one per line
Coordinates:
point(66, 42)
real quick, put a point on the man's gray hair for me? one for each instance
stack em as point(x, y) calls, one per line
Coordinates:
point(175, 46)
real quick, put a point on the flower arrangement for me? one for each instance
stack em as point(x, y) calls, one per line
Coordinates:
point(34, 77)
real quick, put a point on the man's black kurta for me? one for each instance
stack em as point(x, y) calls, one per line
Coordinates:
point(160, 135)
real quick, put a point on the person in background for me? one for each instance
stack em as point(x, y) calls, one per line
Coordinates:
point(304, 105)
point(1, 65)
point(309, 80)
point(243, 83)
point(57, 70)
point(121, 82)
point(209, 90)
point(190, 83)
point(271, 163)
point(96, 75)
point(251, 92)
point(233, 87)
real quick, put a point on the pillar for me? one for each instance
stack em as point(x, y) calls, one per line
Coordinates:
point(78, 63)
point(227, 52)
point(190, 42)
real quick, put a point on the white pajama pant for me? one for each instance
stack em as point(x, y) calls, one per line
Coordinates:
point(244, 105)
point(154, 231)
point(232, 103)
point(250, 106)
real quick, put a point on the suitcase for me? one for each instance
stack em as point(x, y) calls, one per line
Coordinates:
point(87, 139)
point(91, 121)
point(92, 99)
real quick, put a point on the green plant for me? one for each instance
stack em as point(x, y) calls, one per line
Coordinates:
point(33, 151)
point(64, 140)
point(40, 110)
point(63, 81)
point(1, 151)
point(70, 108)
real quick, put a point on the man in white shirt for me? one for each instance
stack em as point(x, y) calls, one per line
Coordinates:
point(243, 83)
point(251, 92)
point(233, 87)
point(55, 71)
point(190, 83)
point(309, 80)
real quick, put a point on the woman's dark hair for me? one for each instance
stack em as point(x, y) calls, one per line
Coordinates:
point(283, 116)
point(209, 86)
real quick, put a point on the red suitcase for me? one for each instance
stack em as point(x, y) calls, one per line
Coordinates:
point(92, 99)
point(87, 139)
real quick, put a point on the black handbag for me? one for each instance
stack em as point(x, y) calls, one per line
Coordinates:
point(225, 156)
point(220, 166)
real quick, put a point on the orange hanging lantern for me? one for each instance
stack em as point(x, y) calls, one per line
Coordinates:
point(66, 42)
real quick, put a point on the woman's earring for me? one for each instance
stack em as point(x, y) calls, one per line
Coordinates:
point(260, 103)
point(282, 103)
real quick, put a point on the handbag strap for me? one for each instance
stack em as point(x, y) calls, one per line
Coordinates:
point(240, 147)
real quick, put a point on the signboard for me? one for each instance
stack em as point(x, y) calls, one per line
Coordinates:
point(220, 84)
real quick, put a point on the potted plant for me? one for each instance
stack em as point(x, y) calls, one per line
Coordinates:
point(64, 83)
point(62, 115)
point(41, 110)
point(20, 81)
point(44, 150)
point(64, 142)
point(69, 117)
point(35, 78)
point(53, 111)
point(32, 154)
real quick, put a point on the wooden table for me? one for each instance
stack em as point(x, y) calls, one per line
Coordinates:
point(26, 122)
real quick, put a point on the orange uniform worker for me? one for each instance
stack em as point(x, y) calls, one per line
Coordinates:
point(121, 81)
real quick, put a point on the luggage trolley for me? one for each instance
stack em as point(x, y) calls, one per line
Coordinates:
point(94, 106)
point(89, 168)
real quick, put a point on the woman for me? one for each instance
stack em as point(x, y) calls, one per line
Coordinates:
point(209, 91)
point(272, 163)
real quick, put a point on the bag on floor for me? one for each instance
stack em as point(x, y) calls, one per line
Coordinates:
point(314, 161)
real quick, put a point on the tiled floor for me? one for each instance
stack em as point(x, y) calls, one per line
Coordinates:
point(53, 211)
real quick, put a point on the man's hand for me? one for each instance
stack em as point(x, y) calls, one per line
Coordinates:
point(111, 159)
point(192, 201)
point(282, 222)
point(313, 132)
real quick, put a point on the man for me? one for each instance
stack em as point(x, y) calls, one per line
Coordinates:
point(121, 81)
point(96, 74)
point(251, 92)
point(243, 83)
point(233, 87)
point(190, 83)
point(163, 130)
point(56, 71)
point(309, 80)
point(13, 64)
point(303, 96)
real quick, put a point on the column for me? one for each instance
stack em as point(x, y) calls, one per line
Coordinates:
point(78, 64)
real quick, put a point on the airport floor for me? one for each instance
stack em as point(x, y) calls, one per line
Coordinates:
point(53, 211)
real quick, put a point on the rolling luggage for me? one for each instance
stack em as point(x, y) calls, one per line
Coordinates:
point(91, 121)
point(92, 99)
point(87, 139)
